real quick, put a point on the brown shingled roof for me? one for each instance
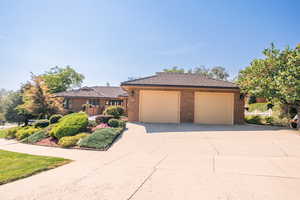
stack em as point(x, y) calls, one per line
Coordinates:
point(180, 80)
point(94, 92)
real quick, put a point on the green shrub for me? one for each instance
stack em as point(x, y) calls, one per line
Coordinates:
point(69, 141)
point(253, 119)
point(70, 125)
point(55, 118)
point(251, 100)
point(122, 124)
point(117, 123)
point(92, 123)
point(113, 123)
point(258, 106)
point(2, 133)
point(41, 123)
point(277, 121)
point(116, 111)
point(25, 132)
point(269, 120)
point(10, 133)
point(103, 118)
point(36, 137)
point(101, 138)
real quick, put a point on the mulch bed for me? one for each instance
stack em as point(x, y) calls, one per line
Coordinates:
point(48, 142)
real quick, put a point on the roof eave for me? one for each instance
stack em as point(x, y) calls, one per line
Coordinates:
point(184, 86)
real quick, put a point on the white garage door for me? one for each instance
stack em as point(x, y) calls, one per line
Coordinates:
point(213, 108)
point(159, 106)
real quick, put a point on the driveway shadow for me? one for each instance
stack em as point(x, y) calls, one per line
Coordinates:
point(190, 127)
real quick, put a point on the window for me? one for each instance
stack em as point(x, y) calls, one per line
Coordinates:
point(94, 102)
point(114, 102)
point(67, 103)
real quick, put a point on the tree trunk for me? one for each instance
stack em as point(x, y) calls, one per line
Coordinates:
point(26, 121)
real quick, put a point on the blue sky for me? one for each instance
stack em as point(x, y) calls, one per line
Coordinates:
point(109, 41)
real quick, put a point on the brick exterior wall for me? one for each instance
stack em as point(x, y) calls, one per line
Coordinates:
point(187, 99)
point(239, 113)
point(133, 105)
point(76, 104)
point(186, 104)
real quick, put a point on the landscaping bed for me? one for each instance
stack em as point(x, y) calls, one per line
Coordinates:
point(72, 131)
point(267, 120)
point(14, 166)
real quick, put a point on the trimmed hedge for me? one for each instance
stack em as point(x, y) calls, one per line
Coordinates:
point(69, 141)
point(254, 119)
point(117, 123)
point(2, 133)
point(101, 138)
point(70, 125)
point(25, 132)
point(92, 123)
point(116, 111)
point(103, 118)
point(55, 118)
point(266, 120)
point(122, 124)
point(42, 123)
point(10, 133)
point(113, 123)
point(36, 137)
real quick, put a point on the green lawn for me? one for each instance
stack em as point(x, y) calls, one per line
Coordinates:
point(14, 166)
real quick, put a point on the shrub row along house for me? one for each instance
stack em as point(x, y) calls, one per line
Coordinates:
point(166, 97)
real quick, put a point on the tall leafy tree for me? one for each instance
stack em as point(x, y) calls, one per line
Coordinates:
point(11, 113)
point(219, 73)
point(202, 70)
point(174, 69)
point(38, 100)
point(214, 72)
point(276, 76)
point(60, 79)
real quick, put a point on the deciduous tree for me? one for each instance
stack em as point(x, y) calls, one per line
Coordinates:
point(38, 100)
point(60, 79)
point(276, 76)
point(174, 69)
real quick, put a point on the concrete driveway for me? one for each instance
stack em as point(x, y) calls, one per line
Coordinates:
point(171, 162)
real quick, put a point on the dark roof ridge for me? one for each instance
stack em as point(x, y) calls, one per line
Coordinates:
point(138, 79)
point(104, 86)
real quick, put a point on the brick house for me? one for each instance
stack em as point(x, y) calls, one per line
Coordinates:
point(98, 97)
point(168, 97)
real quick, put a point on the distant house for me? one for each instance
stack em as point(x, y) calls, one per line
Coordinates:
point(93, 99)
point(169, 97)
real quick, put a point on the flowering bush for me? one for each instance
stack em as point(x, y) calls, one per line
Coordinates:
point(102, 125)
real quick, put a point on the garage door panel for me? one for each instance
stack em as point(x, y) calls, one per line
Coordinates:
point(214, 108)
point(159, 106)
